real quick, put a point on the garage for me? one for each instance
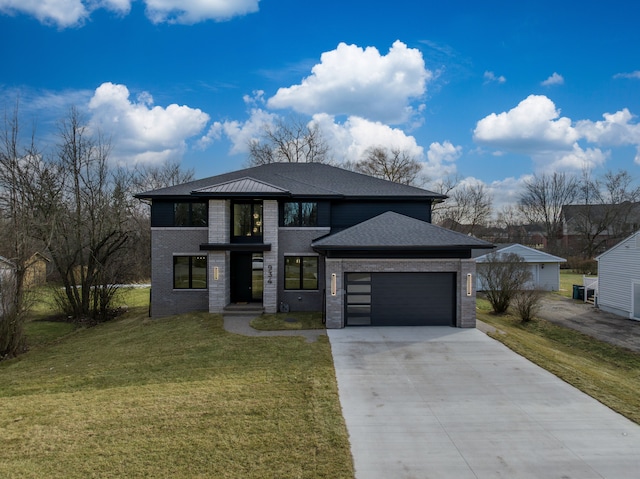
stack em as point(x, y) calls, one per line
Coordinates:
point(400, 299)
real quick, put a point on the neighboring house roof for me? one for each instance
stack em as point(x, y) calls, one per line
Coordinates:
point(293, 179)
point(6, 263)
point(529, 255)
point(392, 230)
point(623, 243)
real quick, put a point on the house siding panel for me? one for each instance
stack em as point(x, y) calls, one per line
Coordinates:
point(165, 243)
point(618, 268)
point(344, 215)
point(297, 241)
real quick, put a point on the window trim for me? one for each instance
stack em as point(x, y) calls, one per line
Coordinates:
point(190, 266)
point(301, 272)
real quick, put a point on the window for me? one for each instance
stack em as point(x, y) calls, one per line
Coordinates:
point(190, 214)
point(301, 272)
point(190, 272)
point(247, 220)
point(298, 213)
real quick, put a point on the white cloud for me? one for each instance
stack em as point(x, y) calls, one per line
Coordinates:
point(441, 159)
point(490, 77)
point(240, 133)
point(70, 13)
point(535, 128)
point(142, 132)
point(555, 79)
point(195, 11)
point(615, 130)
point(635, 75)
point(353, 81)
point(350, 139)
point(534, 125)
point(63, 13)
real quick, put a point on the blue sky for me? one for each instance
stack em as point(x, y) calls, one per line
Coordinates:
point(492, 91)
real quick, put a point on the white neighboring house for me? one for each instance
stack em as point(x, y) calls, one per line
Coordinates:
point(619, 278)
point(544, 267)
point(7, 274)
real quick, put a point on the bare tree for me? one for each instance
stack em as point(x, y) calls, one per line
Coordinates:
point(468, 207)
point(289, 142)
point(153, 177)
point(542, 201)
point(604, 215)
point(393, 164)
point(511, 221)
point(471, 207)
point(18, 184)
point(502, 276)
point(84, 221)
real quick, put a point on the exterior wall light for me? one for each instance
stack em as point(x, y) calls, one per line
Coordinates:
point(334, 284)
point(469, 284)
point(216, 273)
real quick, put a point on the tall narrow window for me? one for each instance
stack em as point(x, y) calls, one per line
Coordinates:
point(190, 272)
point(301, 272)
point(247, 220)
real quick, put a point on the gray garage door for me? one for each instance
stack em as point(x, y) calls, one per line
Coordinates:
point(400, 299)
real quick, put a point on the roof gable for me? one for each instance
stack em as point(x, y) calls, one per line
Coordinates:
point(392, 230)
point(241, 186)
point(529, 255)
point(633, 239)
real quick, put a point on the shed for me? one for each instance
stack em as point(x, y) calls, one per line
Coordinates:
point(619, 278)
point(544, 267)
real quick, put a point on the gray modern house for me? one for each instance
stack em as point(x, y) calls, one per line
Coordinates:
point(309, 237)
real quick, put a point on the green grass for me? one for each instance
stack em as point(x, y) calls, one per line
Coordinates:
point(174, 397)
point(606, 372)
point(286, 321)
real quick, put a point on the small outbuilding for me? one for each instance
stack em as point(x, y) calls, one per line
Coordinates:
point(544, 267)
point(619, 278)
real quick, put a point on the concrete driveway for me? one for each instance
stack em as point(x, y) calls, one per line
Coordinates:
point(439, 402)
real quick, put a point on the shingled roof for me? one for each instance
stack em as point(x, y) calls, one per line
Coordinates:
point(392, 230)
point(292, 179)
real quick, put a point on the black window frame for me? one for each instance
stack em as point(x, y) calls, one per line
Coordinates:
point(191, 217)
point(300, 218)
point(301, 271)
point(190, 272)
point(257, 223)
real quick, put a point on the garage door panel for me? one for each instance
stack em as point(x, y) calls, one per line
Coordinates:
point(412, 299)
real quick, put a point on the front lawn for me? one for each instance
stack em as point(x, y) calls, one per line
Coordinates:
point(174, 397)
point(606, 372)
point(285, 321)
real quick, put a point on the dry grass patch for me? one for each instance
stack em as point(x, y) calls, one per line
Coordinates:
point(285, 321)
point(606, 372)
point(177, 397)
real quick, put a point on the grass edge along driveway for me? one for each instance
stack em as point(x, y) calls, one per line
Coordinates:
point(174, 397)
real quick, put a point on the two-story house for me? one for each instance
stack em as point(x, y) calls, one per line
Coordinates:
point(309, 237)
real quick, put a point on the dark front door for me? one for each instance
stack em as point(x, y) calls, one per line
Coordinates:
point(246, 277)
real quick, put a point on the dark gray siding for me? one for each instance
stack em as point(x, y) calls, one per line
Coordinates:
point(346, 214)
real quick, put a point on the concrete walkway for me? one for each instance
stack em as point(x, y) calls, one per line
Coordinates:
point(439, 402)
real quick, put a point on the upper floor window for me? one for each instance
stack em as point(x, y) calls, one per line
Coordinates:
point(190, 214)
point(299, 213)
point(247, 221)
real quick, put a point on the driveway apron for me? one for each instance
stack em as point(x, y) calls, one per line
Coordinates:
point(440, 402)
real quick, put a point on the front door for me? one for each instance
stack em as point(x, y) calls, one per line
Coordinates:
point(246, 277)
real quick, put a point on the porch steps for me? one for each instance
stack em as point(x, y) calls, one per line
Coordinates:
point(243, 309)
